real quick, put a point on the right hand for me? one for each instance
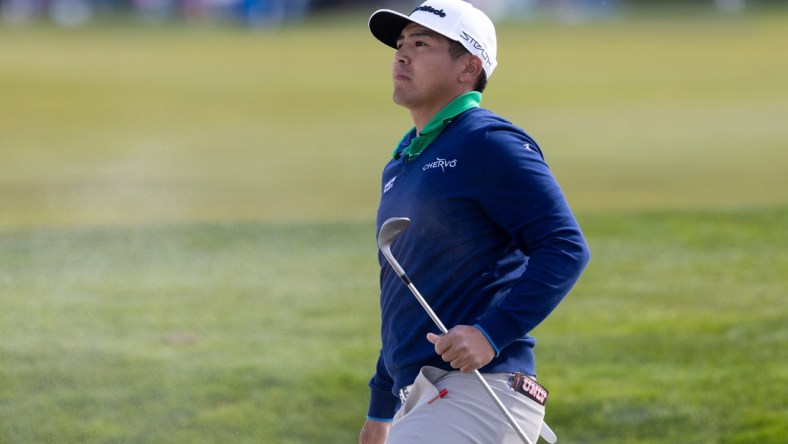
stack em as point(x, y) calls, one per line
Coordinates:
point(374, 432)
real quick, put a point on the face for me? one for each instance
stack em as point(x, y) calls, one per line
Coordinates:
point(425, 76)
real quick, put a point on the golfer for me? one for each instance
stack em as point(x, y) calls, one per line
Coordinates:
point(492, 244)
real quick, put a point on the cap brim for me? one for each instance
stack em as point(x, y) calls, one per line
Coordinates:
point(387, 25)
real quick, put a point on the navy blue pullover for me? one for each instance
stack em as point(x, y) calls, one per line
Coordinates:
point(492, 243)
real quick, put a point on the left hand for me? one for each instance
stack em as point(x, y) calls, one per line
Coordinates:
point(464, 347)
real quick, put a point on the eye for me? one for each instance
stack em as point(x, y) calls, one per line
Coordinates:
point(420, 43)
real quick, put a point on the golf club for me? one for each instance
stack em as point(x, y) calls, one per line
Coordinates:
point(388, 232)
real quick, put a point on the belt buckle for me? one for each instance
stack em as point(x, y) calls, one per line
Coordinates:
point(528, 386)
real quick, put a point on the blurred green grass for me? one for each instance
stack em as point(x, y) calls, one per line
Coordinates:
point(187, 248)
point(129, 125)
point(266, 332)
point(243, 332)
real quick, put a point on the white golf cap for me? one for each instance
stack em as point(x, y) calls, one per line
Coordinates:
point(454, 19)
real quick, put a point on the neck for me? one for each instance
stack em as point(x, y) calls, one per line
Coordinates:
point(422, 116)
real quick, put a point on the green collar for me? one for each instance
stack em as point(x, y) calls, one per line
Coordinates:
point(438, 122)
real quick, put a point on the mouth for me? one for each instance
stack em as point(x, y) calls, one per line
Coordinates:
point(399, 76)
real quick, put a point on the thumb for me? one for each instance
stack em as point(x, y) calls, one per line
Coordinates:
point(432, 337)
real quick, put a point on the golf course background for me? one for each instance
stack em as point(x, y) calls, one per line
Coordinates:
point(187, 241)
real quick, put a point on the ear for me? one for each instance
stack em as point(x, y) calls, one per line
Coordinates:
point(472, 67)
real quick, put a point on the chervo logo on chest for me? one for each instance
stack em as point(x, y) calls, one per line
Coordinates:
point(440, 163)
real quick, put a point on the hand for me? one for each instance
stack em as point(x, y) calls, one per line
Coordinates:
point(374, 432)
point(464, 347)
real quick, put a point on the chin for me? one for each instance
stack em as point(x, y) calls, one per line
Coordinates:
point(401, 99)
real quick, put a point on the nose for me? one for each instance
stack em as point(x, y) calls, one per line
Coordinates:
point(400, 57)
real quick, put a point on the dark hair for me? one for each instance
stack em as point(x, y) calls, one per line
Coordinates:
point(456, 50)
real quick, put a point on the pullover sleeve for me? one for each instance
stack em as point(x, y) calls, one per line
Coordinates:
point(382, 403)
point(522, 197)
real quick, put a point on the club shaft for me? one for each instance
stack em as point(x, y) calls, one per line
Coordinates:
point(502, 407)
point(427, 308)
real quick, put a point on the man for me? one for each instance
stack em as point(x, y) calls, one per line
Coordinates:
point(492, 243)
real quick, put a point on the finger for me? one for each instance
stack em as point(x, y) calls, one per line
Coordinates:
point(432, 337)
point(450, 355)
point(462, 364)
point(441, 343)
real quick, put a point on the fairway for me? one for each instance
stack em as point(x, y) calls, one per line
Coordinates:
point(187, 239)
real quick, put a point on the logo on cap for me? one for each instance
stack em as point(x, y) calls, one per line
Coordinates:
point(427, 8)
point(478, 46)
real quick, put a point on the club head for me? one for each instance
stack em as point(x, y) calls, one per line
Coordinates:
point(390, 230)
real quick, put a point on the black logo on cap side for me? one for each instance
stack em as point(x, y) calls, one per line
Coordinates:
point(427, 8)
point(478, 46)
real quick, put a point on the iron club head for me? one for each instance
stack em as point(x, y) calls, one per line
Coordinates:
point(388, 232)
